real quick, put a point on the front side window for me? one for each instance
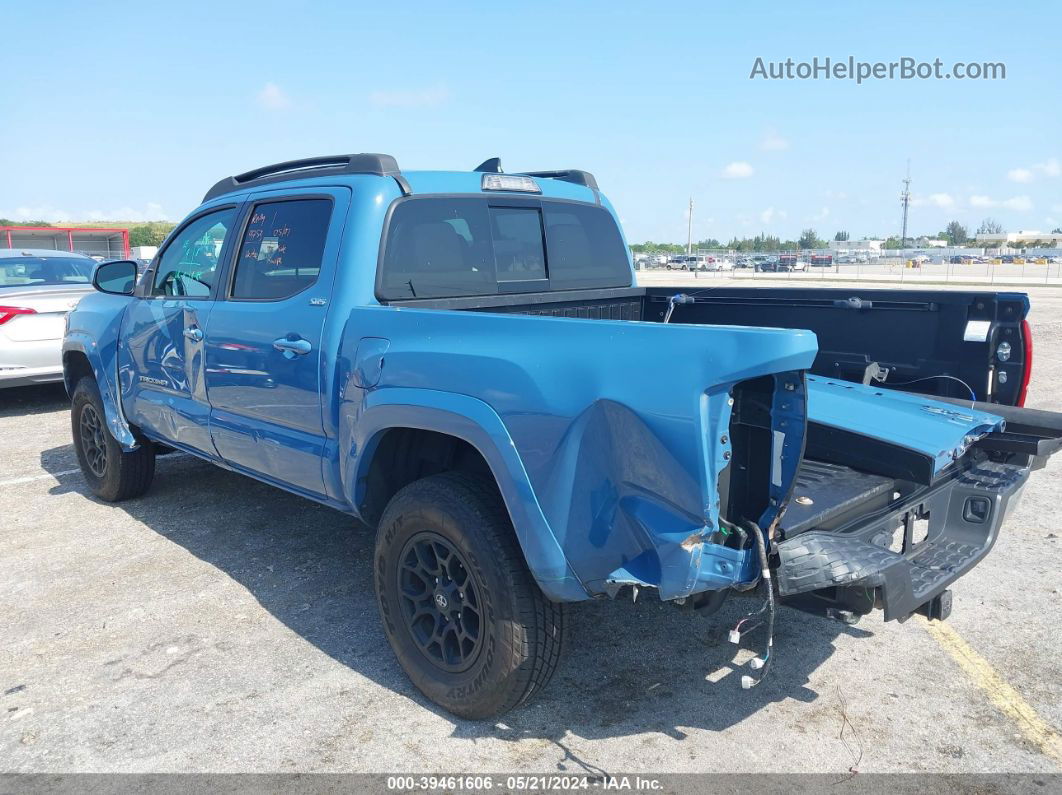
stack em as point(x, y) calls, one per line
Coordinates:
point(189, 265)
point(282, 249)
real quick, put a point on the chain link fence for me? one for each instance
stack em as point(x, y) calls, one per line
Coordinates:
point(909, 266)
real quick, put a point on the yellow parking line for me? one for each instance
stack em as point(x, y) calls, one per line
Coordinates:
point(1006, 699)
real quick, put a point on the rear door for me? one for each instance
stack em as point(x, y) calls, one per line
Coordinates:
point(161, 358)
point(263, 341)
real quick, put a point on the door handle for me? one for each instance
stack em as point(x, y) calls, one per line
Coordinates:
point(194, 333)
point(292, 347)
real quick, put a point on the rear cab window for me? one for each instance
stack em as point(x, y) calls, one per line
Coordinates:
point(445, 247)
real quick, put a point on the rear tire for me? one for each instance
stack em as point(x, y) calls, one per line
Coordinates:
point(113, 474)
point(462, 613)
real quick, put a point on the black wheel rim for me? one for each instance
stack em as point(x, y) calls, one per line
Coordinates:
point(440, 602)
point(93, 442)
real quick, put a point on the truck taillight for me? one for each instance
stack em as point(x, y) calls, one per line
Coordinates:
point(1027, 360)
point(9, 312)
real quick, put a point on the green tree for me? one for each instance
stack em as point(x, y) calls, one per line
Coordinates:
point(842, 235)
point(809, 239)
point(990, 226)
point(1057, 230)
point(893, 243)
point(9, 222)
point(956, 234)
point(151, 234)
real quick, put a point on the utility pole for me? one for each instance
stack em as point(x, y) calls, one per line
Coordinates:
point(689, 231)
point(905, 199)
point(689, 241)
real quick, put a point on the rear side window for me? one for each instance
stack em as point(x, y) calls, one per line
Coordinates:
point(448, 247)
point(282, 247)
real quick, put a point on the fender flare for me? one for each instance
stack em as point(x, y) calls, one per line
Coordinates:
point(103, 367)
point(475, 422)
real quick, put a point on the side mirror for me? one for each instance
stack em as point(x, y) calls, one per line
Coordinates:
point(115, 278)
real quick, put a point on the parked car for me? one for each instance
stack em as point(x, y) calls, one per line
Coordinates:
point(545, 450)
point(821, 260)
point(790, 262)
point(37, 289)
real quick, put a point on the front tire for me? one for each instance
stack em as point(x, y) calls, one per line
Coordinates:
point(113, 474)
point(462, 613)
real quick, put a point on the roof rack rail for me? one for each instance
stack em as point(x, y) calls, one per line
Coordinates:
point(567, 175)
point(325, 165)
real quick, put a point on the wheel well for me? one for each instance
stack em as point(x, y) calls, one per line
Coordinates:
point(75, 367)
point(406, 454)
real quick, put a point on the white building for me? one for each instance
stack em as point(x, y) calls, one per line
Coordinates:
point(1019, 239)
point(864, 245)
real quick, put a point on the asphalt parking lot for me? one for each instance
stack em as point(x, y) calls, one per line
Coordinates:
point(221, 625)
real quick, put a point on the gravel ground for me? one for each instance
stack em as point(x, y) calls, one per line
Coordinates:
point(221, 625)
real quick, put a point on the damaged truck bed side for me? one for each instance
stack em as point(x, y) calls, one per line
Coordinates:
point(464, 361)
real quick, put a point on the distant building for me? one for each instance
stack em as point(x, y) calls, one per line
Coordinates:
point(1019, 239)
point(856, 245)
point(144, 252)
point(93, 241)
point(929, 242)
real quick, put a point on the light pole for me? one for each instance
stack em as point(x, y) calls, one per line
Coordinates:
point(689, 239)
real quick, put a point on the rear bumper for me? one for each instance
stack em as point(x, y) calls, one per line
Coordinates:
point(30, 362)
point(883, 562)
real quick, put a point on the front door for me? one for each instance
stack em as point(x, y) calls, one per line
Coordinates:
point(161, 358)
point(263, 340)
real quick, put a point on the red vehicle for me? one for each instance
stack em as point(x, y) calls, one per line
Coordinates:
point(822, 259)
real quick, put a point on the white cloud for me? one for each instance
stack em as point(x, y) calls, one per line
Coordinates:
point(430, 97)
point(773, 142)
point(942, 200)
point(1051, 168)
point(1019, 203)
point(152, 211)
point(273, 97)
point(1056, 208)
point(821, 215)
point(835, 194)
point(771, 214)
point(739, 169)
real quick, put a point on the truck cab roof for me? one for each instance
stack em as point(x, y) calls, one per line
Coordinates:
point(352, 169)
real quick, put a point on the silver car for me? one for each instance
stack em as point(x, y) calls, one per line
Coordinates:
point(37, 289)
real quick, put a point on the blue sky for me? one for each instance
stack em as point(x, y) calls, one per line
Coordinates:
point(132, 110)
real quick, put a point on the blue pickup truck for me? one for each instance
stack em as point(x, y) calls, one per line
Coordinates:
point(463, 361)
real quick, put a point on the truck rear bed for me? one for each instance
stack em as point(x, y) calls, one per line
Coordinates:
point(869, 522)
point(940, 343)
